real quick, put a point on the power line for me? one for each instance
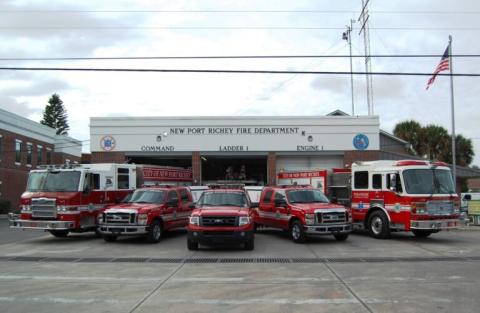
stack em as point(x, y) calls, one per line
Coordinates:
point(239, 11)
point(40, 28)
point(212, 71)
point(236, 57)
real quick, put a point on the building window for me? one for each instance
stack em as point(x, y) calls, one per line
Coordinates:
point(18, 151)
point(39, 155)
point(49, 156)
point(29, 153)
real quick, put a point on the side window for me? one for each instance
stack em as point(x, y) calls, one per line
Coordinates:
point(184, 196)
point(172, 196)
point(95, 181)
point(123, 178)
point(279, 195)
point(398, 182)
point(268, 196)
point(377, 181)
point(361, 180)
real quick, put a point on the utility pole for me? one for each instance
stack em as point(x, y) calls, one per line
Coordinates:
point(347, 35)
point(368, 65)
point(452, 101)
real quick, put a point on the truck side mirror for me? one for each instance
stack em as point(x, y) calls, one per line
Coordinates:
point(280, 203)
point(254, 205)
point(191, 206)
point(172, 202)
point(86, 189)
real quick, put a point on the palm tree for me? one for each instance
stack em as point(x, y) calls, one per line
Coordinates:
point(412, 132)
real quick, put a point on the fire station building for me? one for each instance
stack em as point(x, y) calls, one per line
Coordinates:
point(251, 149)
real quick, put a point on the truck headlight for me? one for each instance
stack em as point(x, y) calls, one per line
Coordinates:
point(100, 218)
point(26, 208)
point(309, 219)
point(244, 220)
point(142, 219)
point(195, 220)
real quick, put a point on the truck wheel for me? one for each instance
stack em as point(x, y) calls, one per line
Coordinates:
point(340, 237)
point(249, 245)
point(297, 232)
point(378, 225)
point(192, 245)
point(59, 233)
point(421, 233)
point(109, 238)
point(155, 232)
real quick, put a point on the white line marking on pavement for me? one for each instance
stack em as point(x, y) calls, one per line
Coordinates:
point(263, 301)
point(77, 278)
point(208, 279)
point(58, 300)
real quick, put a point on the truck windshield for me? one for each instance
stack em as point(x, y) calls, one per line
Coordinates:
point(54, 181)
point(428, 181)
point(209, 199)
point(306, 196)
point(147, 196)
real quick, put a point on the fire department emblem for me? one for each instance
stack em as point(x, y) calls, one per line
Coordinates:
point(360, 142)
point(107, 143)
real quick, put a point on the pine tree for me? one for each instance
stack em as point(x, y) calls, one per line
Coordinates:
point(55, 115)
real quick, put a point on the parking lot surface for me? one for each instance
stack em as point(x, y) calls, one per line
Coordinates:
point(82, 273)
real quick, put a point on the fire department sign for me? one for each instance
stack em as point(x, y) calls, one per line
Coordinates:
point(107, 143)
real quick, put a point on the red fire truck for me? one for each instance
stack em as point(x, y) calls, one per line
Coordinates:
point(222, 215)
point(149, 211)
point(67, 198)
point(406, 195)
point(63, 199)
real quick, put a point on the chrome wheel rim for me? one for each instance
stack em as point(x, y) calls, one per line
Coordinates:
point(295, 231)
point(156, 232)
point(376, 225)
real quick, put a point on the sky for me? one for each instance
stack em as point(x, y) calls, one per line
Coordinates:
point(153, 28)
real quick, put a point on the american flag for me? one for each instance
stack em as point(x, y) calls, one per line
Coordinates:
point(442, 66)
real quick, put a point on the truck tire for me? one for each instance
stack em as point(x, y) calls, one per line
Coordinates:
point(192, 245)
point(340, 237)
point(421, 233)
point(297, 232)
point(155, 232)
point(110, 238)
point(59, 233)
point(249, 245)
point(378, 225)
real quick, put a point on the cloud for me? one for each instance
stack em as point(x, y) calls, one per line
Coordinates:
point(21, 108)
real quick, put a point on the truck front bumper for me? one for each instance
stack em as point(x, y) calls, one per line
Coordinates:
point(212, 237)
point(122, 230)
point(15, 222)
point(435, 224)
point(322, 229)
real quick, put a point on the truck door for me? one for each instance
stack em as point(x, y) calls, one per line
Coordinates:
point(360, 195)
point(91, 200)
point(184, 211)
point(265, 208)
point(171, 212)
point(281, 210)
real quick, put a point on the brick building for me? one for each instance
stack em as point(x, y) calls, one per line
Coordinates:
point(25, 144)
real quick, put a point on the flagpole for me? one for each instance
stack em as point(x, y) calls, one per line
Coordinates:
point(454, 163)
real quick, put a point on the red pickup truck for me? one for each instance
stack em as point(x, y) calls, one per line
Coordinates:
point(302, 210)
point(148, 211)
point(222, 216)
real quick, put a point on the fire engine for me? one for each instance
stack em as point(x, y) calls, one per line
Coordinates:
point(404, 195)
point(148, 211)
point(222, 215)
point(302, 210)
point(63, 199)
point(67, 198)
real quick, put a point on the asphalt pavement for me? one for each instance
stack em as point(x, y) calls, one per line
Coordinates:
point(82, 273)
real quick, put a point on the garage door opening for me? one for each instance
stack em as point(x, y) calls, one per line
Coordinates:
point(245, 170)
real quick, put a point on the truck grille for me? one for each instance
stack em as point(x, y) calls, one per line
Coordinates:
point(331, 217)
point(43, 208)
point(439, 207)
point(119, 218)
point(219, 221)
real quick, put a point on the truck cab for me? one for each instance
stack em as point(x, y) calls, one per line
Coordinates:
point(303, 211)
point(148, 212)
point(222, 216)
